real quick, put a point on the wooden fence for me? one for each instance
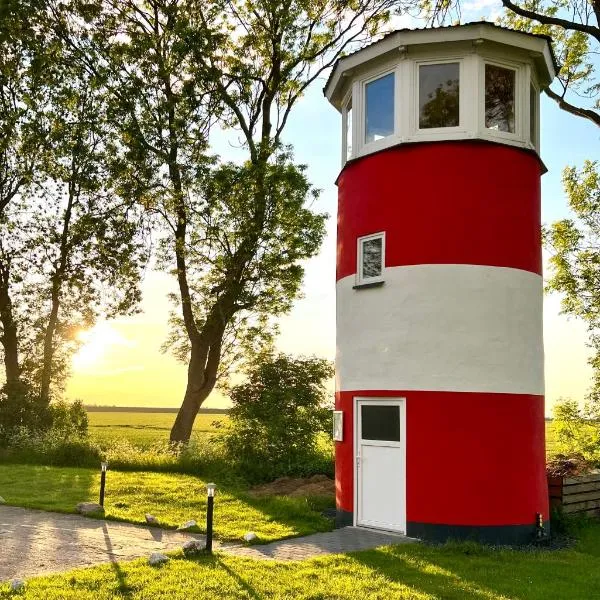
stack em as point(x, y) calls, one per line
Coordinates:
point(579, 494)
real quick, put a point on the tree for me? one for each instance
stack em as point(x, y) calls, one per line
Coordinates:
point(575, 261)
point(23, 84)
point(85, 242)
point(278, 414)
point(234, 234)
point(69, 242)
point(259, 59)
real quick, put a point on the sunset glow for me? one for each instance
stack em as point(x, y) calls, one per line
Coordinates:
point(97, 343)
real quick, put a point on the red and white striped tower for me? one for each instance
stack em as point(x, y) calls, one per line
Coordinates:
point(440, 365)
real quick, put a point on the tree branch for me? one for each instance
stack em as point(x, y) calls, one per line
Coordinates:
point(591, 115)
point(548, 20)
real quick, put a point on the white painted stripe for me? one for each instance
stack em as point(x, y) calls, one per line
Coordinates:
point(461, 328)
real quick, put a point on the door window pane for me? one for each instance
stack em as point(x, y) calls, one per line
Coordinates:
point(439, 91)
point(372, 257)
point(379, 108)
point(380, 423)
point(499, 98)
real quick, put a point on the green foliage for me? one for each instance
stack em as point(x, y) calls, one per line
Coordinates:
point(21, 409)
point(575, 262)
point(576, 433)
point(277, 416)
point(69, 420)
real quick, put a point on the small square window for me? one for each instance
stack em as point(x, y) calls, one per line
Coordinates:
point(499, 98)
point(439, 95)
point(379, 108)
point(371, 258)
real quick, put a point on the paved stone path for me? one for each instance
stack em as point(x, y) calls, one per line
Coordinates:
point(34, 542)
point(348, 539)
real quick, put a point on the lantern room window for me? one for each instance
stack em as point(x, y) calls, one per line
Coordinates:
point(379, 108)
point(439, 95)
point(371, 258)
point(500, 98)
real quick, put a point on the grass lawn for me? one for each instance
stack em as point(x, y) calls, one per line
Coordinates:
point(144, 429)
point(453, 572)
point(172, 498)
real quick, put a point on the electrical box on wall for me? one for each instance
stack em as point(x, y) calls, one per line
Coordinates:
point(338, 426)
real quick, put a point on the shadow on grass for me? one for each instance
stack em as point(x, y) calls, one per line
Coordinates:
point(460, 571)
point(123, 588)
point(252, 593)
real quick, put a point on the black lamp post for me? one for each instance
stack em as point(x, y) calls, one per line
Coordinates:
point(210, 503)
point(104, 467)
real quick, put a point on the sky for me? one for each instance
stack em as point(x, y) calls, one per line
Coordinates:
point(121, 362)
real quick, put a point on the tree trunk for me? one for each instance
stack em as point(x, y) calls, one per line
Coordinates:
point(9, 338)
point(49, 346)
point(198, 388)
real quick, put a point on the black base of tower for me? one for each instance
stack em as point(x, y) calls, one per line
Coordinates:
point(497, 535)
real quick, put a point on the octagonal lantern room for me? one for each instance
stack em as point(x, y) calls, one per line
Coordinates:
point(439, 368)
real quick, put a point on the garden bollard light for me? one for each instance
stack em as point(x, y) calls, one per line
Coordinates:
point(210, 503)
point(104, 467)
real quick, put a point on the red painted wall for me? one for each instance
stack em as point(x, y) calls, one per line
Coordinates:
point(449, 203)
point(471, 458)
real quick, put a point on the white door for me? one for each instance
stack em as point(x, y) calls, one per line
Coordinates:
point(380, 464)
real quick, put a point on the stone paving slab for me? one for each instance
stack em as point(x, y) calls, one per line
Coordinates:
point(347, 539)
point(34, 542)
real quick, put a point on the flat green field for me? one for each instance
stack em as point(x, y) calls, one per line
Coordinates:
point(144, 429)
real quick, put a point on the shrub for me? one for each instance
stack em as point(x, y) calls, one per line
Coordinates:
point(50, 448)
point(278, 417)
point(577, 432)
point(20, 407)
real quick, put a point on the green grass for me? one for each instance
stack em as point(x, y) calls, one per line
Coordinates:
point(172, 498)
point(144, 429)
point(415, 572)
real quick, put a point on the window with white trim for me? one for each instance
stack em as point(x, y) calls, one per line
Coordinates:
point(500, 86)
point(379, 108)
point(439, 95)
point(371, 258)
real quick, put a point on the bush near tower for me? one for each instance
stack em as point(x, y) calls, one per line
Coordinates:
point(278, 417)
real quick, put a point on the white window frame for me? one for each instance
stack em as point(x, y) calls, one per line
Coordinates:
point(535, 142)
point(405, 67)
point(383, 142)
point(347, 101)
point(360, 279)
point(440, 132)
point(519, 134)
